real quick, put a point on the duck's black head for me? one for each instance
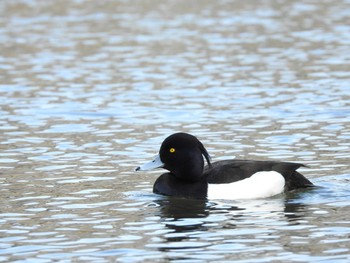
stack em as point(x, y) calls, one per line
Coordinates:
point(182, 155)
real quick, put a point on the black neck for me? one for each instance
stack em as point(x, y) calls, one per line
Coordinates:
point(168, 184)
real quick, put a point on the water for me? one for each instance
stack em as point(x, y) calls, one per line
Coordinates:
point(88, 91)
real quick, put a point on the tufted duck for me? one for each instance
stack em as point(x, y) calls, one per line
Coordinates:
point(182, 155)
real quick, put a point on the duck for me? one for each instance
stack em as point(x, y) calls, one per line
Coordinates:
point(184, 156)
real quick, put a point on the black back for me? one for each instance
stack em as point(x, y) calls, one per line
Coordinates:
point(230, 171)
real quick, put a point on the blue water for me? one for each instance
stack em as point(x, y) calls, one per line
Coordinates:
point(88, 91)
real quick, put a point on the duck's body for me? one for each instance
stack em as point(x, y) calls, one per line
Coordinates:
point(182, 154)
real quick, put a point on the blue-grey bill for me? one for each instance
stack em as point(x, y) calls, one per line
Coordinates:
point(156, 163)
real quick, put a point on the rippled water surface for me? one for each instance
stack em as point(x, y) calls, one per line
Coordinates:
point(89, 89)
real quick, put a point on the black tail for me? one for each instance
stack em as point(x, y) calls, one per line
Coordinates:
point(297, 180)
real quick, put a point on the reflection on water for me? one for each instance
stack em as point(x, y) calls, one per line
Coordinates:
point(89, 90)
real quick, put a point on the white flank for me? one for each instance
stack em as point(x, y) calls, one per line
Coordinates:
point(259, 185)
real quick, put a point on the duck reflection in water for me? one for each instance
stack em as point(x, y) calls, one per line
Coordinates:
point(185, 216)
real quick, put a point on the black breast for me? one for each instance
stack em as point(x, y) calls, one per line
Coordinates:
point(168, 184)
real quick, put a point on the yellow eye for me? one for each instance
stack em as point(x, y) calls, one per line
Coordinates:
point(172, 150)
